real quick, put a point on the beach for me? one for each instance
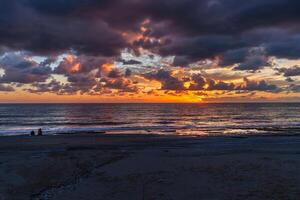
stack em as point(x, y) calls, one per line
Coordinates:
point(115, 167)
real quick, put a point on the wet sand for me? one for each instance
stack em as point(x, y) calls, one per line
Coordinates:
point(141, 167)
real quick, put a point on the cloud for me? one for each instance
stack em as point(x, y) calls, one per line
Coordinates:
point(168, 81)
point(19, 69)
point(180, 61)
point(128, 72)
point(92, 26)
point(254, 60)
point(121, 84)
point(191, 30)
point(130, 62)
point(234, 56)
point(82, 72)
point(72, 64)
point(40, 27)
point(198, 82)
point(262, 85)
point(53, 86)
point(85, 75)
point(6, 88)
point(82, 82)
point(220, 85)
point(294, 88)
point(238, 36)
point(114, 74)
point(200, 47)
point(288, 72)
point(289, 79)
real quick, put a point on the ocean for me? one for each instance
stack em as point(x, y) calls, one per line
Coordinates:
point(176, 119)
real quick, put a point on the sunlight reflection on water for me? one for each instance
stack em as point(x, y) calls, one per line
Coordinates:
point(181, 119)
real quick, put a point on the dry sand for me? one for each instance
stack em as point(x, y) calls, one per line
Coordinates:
point(117, 167)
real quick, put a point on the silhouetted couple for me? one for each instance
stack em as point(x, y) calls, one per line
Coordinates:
point(40, 132)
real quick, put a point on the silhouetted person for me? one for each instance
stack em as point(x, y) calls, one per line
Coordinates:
point(32, 133)
point(40, 132)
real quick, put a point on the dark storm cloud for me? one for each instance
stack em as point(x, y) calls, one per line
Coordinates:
point(121, 84)
point(194, 29)
point(18, 69)
point(200, 83)
point(81, 82)
point(48, 61)
point(224, 16)
point(249, 59)
point(254, 60)
point(168, 81)
point(128, 72)
point(82, 73)
point(231, 57)
point(253, 63)
point(262, 85)
point(130, 62)
point(288, 72)
point(180, 61)
point(53, 86)
point(62, 7)
point(191, 16)
point(266, 24)
point(220, 85)
point(94, 26)
point(6, 88)
point(54, 27)
point(294, 88)
point(85, 64)
point(85, 75)
point(114, 74)
point(285, 47)
point(240, 34)
point(200, 47)
point(249, 50)
point(289, 79)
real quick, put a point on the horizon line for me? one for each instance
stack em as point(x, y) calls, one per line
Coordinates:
point(233, 102)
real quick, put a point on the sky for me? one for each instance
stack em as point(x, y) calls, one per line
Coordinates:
point(89, 51)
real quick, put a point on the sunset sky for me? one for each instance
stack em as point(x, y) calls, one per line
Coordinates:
point(149, 51)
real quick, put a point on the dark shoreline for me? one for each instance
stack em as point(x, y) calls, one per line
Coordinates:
point(164, 133)
point(117, 167)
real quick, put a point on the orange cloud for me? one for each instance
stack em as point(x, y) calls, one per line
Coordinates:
point(107, 67)
point(75, 68)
